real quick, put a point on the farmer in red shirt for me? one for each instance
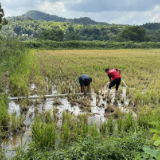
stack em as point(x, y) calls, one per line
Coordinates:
point(114, 77)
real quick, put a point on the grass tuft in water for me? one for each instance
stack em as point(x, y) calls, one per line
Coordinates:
point(44, 135)
point(129, 122)
point(103, 128)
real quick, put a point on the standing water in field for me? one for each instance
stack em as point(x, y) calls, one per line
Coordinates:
point(96, 106)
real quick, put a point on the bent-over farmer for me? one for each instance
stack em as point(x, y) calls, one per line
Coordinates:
point(85, 80)
point(114, 77)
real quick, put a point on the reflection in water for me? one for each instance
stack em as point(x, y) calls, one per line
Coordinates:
point(14, 108)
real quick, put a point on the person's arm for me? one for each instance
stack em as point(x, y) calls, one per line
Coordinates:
point(81, 84)
point(83, 89)
point(88, 87)
point(110, 79)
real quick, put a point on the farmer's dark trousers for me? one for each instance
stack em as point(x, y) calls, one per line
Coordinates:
point(115, 82)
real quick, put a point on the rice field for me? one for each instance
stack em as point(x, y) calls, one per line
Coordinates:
point(61, 68)
point(50, 72)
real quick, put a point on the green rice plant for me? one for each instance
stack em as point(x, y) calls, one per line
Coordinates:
point(48, 118)
point(4, 116)
point(60, 88)
point(21, 150)
point(146, 98)
point(129, 122)
point(127, 91)
point(154, 97)
point(4, 98)
point(66, 134)
point(69, 127)
point(103, 128)
point(156, 113)
point(19, 79)
point(120, 123)
point(82, 125)
point(55, 117)
point(16, 122)
point(66, 117)
point(2, 154)
point(50, 87)
point(138, 97)
point(145, 116)
point(83, 118)
point(44, 135)
point(110, 126)
point(93, 130)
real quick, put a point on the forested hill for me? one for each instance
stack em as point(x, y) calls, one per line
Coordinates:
point(36, 25)
point(152, 26)
point(24, 28)
point(37, 15)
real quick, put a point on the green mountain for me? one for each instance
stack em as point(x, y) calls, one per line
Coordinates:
point(37, 15)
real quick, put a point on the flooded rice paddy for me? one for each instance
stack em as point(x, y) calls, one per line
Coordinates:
point(97, 107)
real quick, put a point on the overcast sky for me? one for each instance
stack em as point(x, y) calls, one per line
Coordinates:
point(111, 11)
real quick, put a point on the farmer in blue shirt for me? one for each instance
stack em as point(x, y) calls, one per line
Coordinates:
point(85, 80)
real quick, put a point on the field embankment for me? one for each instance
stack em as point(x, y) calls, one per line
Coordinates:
point(11, 54)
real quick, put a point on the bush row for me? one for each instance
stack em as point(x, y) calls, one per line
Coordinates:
point(89, 44)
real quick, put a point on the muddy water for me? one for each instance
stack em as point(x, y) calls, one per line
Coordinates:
point(97, 115)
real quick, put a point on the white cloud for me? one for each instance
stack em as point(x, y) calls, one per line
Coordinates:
point(52, 8)
point(110, 11)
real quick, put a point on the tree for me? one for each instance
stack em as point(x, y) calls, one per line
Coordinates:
point(3, 21)
point(132, 33)
point(54, 35)
point(72, 36)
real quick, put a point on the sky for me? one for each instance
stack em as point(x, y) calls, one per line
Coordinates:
point(132, 12)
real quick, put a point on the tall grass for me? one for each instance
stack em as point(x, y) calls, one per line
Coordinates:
point(11, 54)
point(19, 80)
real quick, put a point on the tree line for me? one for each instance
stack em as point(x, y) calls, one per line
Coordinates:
point(29, 29)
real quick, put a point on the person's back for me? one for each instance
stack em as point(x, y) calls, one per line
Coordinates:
point(84, 77)
point(85, 80)
point(114, 74)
